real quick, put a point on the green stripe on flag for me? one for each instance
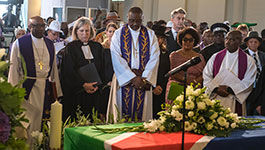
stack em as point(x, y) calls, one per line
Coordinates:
point(87, 138)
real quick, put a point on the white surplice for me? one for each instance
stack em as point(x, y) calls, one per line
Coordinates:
point(123, 73)
point(228, 75)
point(34, 105)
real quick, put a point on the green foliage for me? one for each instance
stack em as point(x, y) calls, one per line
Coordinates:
point(3, 69)
point(174, 90)
point(14, 144)
point(202, 116)
point(250, 123)
point(139, 128)
point(11, 98)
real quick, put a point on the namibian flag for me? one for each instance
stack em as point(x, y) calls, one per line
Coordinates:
point(90, 139)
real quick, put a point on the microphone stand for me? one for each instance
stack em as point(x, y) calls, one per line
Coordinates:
point(184, 109)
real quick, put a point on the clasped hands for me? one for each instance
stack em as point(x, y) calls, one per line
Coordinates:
point(140, 83)
point(90, 87)
point(223, 91)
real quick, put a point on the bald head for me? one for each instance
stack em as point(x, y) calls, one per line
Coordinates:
point(37, 26)
point(35, 19)
point(136, 10)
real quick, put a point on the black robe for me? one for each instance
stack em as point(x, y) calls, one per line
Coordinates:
point(108, 78)
point(211, 49)
point(72, 83)
point(163, 68)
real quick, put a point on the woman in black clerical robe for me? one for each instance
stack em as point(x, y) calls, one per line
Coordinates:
point(81, 51)
point(163, 68)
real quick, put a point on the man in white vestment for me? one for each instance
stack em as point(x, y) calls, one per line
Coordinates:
point(135, 57)
point(38, 55)
point(229, 74)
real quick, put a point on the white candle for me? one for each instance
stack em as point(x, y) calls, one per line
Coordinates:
point(56, 125)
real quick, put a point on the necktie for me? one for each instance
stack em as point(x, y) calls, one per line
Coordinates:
point(176, 36)
point(258, 69)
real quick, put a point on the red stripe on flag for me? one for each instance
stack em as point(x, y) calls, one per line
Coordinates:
point(156, 141)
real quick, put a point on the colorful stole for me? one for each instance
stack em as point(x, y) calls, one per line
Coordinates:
point(242, 63)
point(127, 91)
point(26, 50)
point(242, 68)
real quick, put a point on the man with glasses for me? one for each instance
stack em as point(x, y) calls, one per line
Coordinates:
point(38, 54)
point(135, 58)
point(219, 31)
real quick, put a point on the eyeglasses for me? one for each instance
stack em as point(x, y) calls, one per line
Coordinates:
point(55, 33)
point(188, 39)
point(138, 21)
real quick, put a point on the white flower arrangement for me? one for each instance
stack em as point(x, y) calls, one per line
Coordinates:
point(38, 137)
point(202, 115)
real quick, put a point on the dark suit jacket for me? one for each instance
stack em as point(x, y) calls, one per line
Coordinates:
point(255, 98)
point(172, 45)
point(262, 46)
point(261, 56)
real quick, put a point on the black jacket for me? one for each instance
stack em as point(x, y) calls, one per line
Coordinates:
point(261, 56)
point(172, 45)
point(257, 96)
point(211, 49)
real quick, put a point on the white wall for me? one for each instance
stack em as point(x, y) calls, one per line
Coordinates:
point(211, 11)
point(47, 7)
point(255, 13)
point(131, 3)
point(235, 10)
point(34, 7)
point(197, 10)
point(166, 6)
point(153, 9)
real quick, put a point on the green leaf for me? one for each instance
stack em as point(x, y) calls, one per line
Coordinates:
point(174, 91)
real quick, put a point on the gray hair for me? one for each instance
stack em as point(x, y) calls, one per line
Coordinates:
point(19, 29)
point(81, 22)
point(178, 11)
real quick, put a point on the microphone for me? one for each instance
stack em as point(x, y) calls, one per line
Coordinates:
point(193, 61)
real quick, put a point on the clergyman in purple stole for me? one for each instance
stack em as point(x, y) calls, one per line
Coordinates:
point(26, 51)
point(242, 67)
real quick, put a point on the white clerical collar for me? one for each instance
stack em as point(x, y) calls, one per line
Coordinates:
point(87, 52)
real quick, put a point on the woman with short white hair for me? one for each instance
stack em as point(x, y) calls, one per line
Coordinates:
point(78, 53)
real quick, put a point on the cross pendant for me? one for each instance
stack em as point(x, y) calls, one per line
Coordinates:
point(41, 65)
